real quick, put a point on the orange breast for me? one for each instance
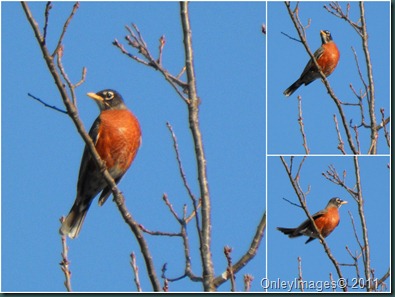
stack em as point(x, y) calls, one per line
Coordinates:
point(119, 138)
point(328, 222)
point(329, 59)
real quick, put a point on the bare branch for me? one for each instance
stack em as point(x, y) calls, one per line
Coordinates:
point(300, 277)
point(136, 271)
point(339, 137)
point(361, 212)
point(335, 9)
point(290, 202)
point(229, 269)
point(158, 233)
point(300, 121)
point(248, 278)
point(180, 167)
point(219, 280)
point(193, 109)
point(64, 264)
point(355, 231)
point(170, 206)
point(162, 42)
point(66, 24)
point(383, 124)
point(46, 104)
point(136, 41)
point(46, 16)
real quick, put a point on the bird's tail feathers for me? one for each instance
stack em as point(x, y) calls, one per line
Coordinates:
point(289, 231)
point(292, 88)
point(72, 224)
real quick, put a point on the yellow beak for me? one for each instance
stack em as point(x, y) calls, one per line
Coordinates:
point(94, 96)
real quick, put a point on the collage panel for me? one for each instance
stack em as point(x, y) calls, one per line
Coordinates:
point(171, 96)
point(349, 115)
point(349, 200)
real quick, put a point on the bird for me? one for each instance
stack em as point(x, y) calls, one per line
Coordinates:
point(116, 134)
point(327, 57)
point(326, 221)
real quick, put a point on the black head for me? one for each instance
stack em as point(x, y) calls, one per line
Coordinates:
point(108, 99)
point(336, 202)
point(325, 36)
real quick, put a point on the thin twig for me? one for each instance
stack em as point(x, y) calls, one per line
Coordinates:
point(339, 137)
point(290, 202)
point(300, 277)
point(383, 124)
point(251, 252)
point(158, 233)
point(229, 269)
point(64, 264)
point(170, 206)
point(248, 278)
point(137, 42)
point(135, 268)
point(301, 124)
point(66, 24)
point(46, 16)
point(162, 42)
point(180, 167)
point(46, 104)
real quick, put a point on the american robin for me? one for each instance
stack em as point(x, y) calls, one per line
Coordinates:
point(326, 221)
point(327, 57)
point(117, 136)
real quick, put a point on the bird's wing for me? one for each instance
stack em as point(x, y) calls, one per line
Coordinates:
point(306, 228)
point(310, 65)
point(87, 165)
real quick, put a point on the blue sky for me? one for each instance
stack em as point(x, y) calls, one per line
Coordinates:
point(41, 150)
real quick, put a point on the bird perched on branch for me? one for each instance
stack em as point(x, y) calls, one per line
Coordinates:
point(327, 57)
point(116, 134)
point(326, 221)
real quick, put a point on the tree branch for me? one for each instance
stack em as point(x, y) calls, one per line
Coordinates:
point(193, 109)
point(260, 231)
point(301, 124)
point(46, 104)
point(64, 264)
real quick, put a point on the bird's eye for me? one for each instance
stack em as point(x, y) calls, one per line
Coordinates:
point(109, 95)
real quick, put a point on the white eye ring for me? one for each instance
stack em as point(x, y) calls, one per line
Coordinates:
point(109, 95)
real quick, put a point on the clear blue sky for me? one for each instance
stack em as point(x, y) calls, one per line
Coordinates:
point(41, 150)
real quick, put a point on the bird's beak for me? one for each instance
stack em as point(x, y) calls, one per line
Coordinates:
point(322, 33)
point(343, 202)
point(96, 97)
